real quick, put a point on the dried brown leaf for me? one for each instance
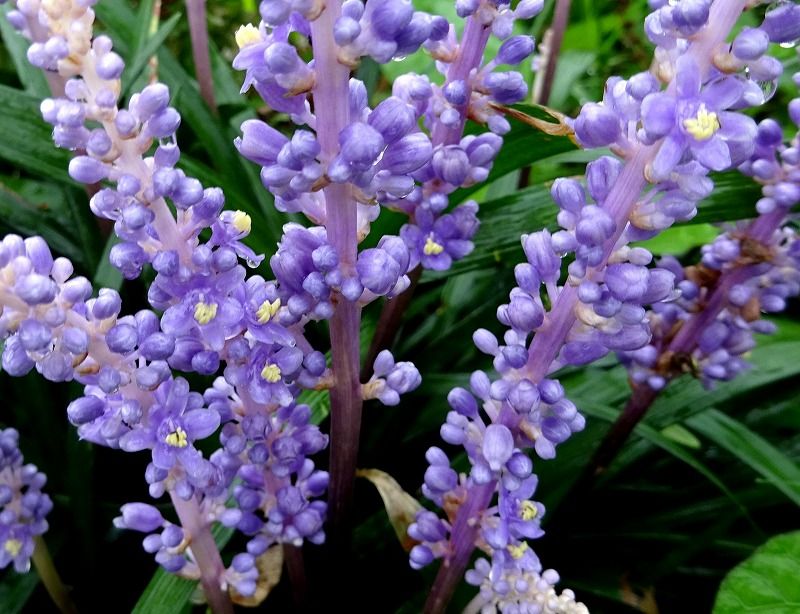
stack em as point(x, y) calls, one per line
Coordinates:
point(400, 506)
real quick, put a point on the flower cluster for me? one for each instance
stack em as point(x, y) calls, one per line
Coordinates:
point(382, 152)
point(133, 402)
point(23, 505)
point(515, 591)
point(213, 317)
point(750, 269)
point(667, 136)
point(667, 129)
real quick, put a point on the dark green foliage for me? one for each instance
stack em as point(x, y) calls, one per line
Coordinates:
point(706, 479)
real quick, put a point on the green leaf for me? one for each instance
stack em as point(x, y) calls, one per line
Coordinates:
point(680, 239)
point(765, 582)
point(148, 47)
point(32, 78)
point(751, 449)
point(16, 589)
point(27, 141)
point(167, 593)
point(680, 434)
point(667, 444)
point(41, 211)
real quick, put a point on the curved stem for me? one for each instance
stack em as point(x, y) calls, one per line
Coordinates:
point(462, 540)
point(48, 574)
point(205, 553)
point(198, 31)
point(331, 96)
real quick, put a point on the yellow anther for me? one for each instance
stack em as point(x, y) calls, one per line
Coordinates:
point(528, 510)
point(177, 438)
point(13, 546)
point(247, 35)
point(268, 310)
point(704, 126)
point(271, 373)
point(432, 248)
point(518, 552)
point(205, 312)
point(242, 221)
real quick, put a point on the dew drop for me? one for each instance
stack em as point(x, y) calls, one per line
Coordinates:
point(768, 88)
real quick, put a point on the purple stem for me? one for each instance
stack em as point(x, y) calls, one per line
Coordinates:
point(205, 553)
point(293, 556)
point(685, 341)
point(462, 540)
point(332, 109)
point(198, 32)
point(560, 20)
point(470, 56)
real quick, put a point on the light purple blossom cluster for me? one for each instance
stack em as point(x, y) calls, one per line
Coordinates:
point(23, 505)
point(213, 318)
point(668, 131)
point(382, 152)
point(750, 269)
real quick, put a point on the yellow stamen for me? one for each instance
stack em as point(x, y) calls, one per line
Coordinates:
point(13, 546)
point(242, 221)
point(432, 248)
point(271, 373)
point(247, 35)
point(518, 552)
point(528, 510)
point(205, 312)
point(268, 310)
point(177, 438)
point(704, 125)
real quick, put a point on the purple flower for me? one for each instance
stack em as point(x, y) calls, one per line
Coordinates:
point(695, 119)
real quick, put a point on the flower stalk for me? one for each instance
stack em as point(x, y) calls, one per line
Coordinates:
point(49, 576)
point(205, 553)
point(198, 31)
point(331, 103)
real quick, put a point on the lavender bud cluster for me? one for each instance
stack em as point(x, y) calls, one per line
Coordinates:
point(667, 131)
point(23, 505)
point(749, 270)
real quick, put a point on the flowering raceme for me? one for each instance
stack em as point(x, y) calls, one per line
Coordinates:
point(668, 135)
point(212, 316)
point(24, 505)
point(240, 453)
